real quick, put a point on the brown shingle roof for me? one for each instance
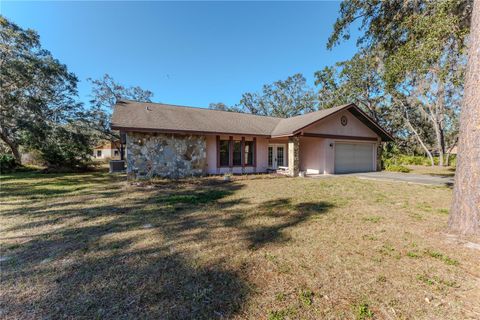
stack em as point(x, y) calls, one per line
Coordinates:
point(142, 116)
point(156, 116)
point(289, 125)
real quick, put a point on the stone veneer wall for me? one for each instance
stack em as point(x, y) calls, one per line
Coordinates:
point(293, 156)
point(165, 155)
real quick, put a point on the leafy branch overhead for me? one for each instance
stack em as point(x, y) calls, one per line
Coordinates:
point(421, 51)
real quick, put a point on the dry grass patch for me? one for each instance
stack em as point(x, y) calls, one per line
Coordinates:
point(92, 246)
point(433, 171)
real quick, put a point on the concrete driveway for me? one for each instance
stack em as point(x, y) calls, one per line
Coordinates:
point(401, 177)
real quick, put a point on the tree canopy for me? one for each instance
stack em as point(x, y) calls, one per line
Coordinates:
point(419, 48)
point(105, 93)
point(37, 92)
point(39, 107)
point(282, 98)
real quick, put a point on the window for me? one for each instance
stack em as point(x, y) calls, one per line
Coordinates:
point(248, 153)
point(115, 153)
point(224, 153)
point(231, 153)
point(99, 153)
point(280, 156)
point(270, 156)
point(237, 153)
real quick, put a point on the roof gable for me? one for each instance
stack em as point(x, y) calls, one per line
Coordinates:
point(332, 125)
point(292, 125)
point(295, 125)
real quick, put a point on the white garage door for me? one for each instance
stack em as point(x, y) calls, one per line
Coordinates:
point(353, 157)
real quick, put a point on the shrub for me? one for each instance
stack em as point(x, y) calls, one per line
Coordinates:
point(453, 160)
point(397, 168)
point(7, 163)
point(63, 148)
point(407, 160)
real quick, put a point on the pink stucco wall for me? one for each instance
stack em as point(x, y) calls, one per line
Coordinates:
point(332, 125)
point(320, 156)
point(312, 155)
point(316, 154)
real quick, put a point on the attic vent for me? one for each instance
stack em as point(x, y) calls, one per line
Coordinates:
point(147, 108)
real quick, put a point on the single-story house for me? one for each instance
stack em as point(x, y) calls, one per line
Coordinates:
point(107, 150)
point(176, 141)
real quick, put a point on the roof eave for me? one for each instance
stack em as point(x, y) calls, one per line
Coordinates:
point(159, 130)
point(283, 135)
point(298, 131)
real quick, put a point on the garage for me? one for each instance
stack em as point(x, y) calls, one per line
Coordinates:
point(353, 157)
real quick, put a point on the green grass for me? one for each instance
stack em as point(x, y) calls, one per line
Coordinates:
point(199, 198)
point(442, 257)
point(432, 171)
point(443, 211)
point(374, 219)
point(363, 312)
point(93, 246)
point(306, 297)
point(413, 254)
point(277, 315)
point(435, 280)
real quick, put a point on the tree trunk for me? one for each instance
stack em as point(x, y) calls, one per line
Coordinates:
point(429, 154)
point(13, 147)
point(438, 122)
point(449, 152)
point(465, 214)
point(440, 143)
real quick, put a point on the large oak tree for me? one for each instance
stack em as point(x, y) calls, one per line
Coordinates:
point(37, 92)
point(421, 45)
point(465, 213)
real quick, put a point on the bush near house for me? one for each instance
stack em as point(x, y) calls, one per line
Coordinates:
point(397, 168)
point(406, 160)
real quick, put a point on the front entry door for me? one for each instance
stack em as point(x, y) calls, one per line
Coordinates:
point(276, 156)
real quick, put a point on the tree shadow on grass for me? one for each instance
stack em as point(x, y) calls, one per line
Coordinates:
point(275, 217)
point(97, 261)
point(153, 284)
point(38, 185)
point(94, 270)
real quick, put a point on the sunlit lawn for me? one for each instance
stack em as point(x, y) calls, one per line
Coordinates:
point(92, 246)
point(433, 171)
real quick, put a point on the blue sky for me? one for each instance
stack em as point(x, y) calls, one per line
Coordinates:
point(187, 53)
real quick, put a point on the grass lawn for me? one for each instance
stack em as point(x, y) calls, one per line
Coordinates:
point(92, 246)
point(433, 171)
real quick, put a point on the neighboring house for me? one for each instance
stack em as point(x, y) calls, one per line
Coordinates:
point(107, 150)
point(175, 141)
